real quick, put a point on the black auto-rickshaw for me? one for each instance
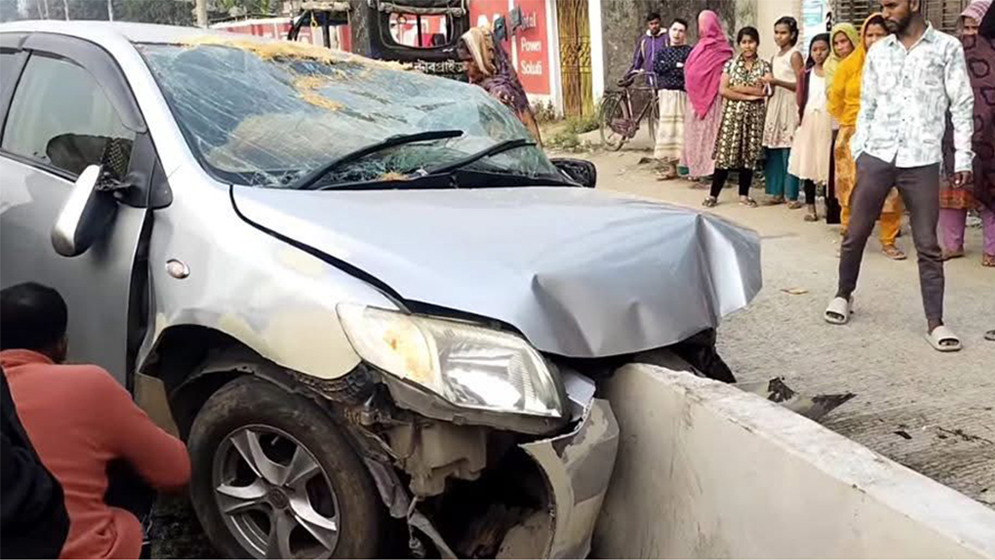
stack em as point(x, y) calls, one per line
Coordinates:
point(422, 33)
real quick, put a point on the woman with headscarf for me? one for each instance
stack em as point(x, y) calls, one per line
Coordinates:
point(703, 74)
point(979, 51)
point(844, 104)
point(488, 66)
point(843, 40)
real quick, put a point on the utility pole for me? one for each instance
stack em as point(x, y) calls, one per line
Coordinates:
point(201, 13)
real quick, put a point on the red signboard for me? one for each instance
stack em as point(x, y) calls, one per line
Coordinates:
point(530, 40)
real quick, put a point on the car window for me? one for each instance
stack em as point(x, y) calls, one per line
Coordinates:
point(421, 31)
point(8, 67)
point(61, 117)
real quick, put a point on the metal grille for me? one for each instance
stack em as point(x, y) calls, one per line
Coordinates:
point(942, 13)
point(853, 11)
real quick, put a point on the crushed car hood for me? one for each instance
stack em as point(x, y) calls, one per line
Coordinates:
point(578, 272)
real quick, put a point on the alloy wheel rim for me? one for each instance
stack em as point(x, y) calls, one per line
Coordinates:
point(274, 496)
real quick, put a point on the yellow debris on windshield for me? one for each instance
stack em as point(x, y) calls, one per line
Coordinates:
point(393, 176)
point(274, 50)
point(307, 89)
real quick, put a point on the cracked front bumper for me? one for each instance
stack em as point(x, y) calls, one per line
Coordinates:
point(577, 467)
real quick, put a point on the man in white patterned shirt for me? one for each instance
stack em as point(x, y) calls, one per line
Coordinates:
point(911, 79)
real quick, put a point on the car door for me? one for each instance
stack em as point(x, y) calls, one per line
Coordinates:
point(63, 101)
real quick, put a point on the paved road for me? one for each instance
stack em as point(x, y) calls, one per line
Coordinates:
point(933, 413)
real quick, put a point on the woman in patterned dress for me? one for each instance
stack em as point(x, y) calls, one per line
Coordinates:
point(843, 40)
point(979, 51)
point(738, 146)
point(488, 66)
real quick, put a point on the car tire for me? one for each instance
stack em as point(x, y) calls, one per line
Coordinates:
point(275, 421)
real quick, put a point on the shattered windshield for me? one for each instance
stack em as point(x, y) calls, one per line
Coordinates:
point(266, 114)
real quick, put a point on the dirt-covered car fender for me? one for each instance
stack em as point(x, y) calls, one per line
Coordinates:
point(272, 296)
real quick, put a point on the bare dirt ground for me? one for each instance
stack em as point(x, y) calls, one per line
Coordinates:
point(934, 413)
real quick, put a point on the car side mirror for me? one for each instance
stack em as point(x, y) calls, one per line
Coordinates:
point(580, 171)
point(85, 216)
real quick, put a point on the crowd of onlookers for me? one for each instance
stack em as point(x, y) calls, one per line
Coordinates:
point(795, 114)
point(892, 118)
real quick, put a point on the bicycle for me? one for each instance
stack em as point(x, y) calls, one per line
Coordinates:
point(618, 114)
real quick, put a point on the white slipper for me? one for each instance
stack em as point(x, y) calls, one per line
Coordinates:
point(839, 307)
point(943, 334)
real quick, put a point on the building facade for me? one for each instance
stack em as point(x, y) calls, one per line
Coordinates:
point(591, 42)
point(569, 52)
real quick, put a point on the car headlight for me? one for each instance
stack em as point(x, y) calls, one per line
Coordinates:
point(467, 365)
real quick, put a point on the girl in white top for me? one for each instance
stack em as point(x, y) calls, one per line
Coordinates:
point(782, 114)
point(813, 140)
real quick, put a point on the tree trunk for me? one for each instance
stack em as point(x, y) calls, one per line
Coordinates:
point(201, 13)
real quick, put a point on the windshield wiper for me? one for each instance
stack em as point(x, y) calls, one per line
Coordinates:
point(494, 150)
point(308, 181)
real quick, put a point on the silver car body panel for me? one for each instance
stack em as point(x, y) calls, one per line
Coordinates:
point(263, 292)
point(30, 201)
point(580, 273)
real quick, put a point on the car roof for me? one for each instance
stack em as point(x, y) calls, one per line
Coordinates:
point(114, 30)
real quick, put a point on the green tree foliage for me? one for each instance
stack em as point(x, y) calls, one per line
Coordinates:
point(169, 12)
point(8, 10)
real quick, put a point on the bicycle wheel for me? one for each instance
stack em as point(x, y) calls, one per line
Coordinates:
point(612, 112)
point(653, 116)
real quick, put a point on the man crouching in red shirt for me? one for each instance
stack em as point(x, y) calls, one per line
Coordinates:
point(80, 421)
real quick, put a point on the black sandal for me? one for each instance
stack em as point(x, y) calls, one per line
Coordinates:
point(710, 202)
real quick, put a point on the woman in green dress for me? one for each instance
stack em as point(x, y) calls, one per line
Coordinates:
point(738, 146)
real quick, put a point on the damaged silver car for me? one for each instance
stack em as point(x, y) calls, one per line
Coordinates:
point(374, 309)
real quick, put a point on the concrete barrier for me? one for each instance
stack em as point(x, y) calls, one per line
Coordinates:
point(708, 471)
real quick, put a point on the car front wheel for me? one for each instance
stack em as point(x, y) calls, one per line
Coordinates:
point(274, 478)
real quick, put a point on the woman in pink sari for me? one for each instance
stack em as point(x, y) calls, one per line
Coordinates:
point(703, 73)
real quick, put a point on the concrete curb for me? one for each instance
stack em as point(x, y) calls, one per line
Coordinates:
point(706, 470)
